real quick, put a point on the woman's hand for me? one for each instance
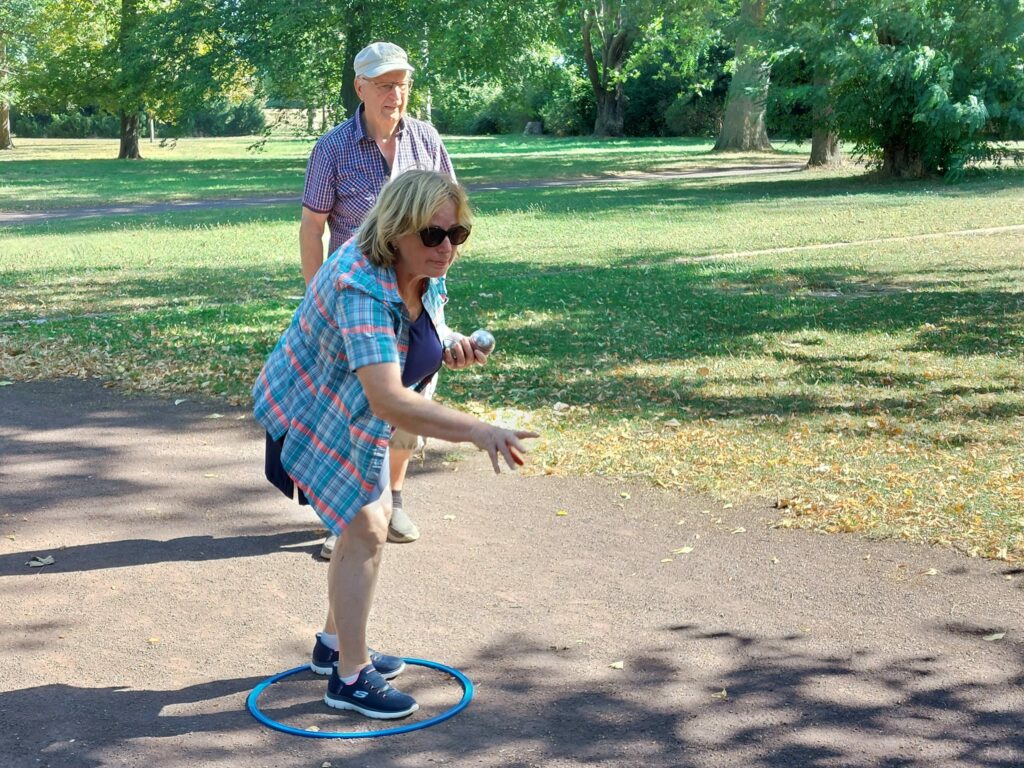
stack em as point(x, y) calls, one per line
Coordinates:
point(460, 353)
point(495, 441)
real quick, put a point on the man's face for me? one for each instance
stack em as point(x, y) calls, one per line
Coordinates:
point(386, 96)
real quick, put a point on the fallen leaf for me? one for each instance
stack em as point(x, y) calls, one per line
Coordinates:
point(682, 551)
point(449, 517)
point(211, 474)
point(739, 529)
point(931, 572)
point(994, 636)
point(561, 407)
point(39, 562)
point(153, 640)
point(314, 729)
point(667, 560)
point(561, 513)
point(6, 383)
point(673, 423)
point(703, 371)
point(775, 560)
point(722, 695)
point(180, 400)
point(617, 665)
point(727, 506)
point(215, 416)
point(624, 495)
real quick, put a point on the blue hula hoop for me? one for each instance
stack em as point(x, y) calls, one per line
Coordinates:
point(254, 710)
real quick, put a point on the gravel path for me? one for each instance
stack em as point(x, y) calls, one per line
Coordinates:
point(181, 579)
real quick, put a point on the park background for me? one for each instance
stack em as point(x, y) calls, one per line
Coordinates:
point(843, 340)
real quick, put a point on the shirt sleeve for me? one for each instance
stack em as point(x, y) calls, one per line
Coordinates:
point(321, 179)
point(443, 162)
point(367, 330)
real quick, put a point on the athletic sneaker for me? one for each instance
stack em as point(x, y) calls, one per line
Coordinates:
point(327, 548)
point(324, 659)
point(369, 695)
point(401, 529)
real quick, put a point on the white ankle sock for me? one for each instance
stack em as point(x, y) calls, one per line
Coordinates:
point(353, 678)
point(331, 641)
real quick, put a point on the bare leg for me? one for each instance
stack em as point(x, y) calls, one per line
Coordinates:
point(399, 465)
point(351, 579)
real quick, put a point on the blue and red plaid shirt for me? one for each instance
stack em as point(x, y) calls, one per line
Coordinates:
point(346, 170)
point(351, 316)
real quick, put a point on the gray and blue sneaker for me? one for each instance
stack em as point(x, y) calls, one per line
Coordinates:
point(324, 659)
point(369, 695)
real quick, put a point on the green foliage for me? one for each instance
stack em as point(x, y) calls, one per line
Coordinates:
point(221, 118)
point(79, 124)
point(569, 109)
point(919, 86)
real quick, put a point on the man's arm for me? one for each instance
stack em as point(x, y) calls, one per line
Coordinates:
point(311, 242)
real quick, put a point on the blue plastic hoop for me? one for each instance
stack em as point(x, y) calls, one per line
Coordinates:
point(254, 710)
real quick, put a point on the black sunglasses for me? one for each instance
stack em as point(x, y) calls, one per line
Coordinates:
point(434, 236)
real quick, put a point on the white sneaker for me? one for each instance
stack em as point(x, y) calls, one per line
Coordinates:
point(328, 548)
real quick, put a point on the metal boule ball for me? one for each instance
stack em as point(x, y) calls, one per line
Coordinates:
point(483, 340)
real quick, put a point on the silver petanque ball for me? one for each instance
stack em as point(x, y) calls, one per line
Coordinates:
point(483, 340)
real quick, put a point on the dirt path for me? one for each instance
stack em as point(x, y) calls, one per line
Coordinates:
point(82, 213)
point(181, 580)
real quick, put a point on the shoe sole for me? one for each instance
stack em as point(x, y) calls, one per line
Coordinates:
point(375, 714)
point(319, 670)
point(401, 538)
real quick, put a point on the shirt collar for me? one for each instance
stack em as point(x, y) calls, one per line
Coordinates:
point(361, 134)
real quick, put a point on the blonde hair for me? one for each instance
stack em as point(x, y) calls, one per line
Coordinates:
point(406, 205)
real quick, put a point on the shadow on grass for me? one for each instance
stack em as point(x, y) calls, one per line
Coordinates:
point(570, 332)
point(784, 706)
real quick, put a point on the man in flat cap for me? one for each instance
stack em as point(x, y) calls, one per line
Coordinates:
point(346, 171)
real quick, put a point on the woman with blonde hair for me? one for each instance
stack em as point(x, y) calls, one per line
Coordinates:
point(369, 331)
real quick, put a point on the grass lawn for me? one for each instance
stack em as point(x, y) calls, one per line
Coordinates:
point(872, 387)
point(48, 173)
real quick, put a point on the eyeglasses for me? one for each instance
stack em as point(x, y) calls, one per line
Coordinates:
point(434, 236)
point(385, 88)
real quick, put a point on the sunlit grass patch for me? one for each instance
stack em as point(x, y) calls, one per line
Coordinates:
point(872, 387)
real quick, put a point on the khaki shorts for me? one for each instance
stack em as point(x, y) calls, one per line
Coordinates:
point(407, 441)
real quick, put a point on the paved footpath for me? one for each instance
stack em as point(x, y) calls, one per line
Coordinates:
point(180, 580)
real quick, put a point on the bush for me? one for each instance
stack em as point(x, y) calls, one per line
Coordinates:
point(570, 109)
point(72, 125)
point(220, 118)
point(693, 115)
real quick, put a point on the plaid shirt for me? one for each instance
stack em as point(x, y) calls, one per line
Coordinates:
point(351, 316)
point(346, 170)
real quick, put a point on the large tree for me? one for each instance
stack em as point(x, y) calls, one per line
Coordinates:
point(743, 126)
point(919, 86)
point(125, 57)
point(15, 22)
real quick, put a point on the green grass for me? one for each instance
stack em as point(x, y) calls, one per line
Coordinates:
point(874, 387)
point(43, 173)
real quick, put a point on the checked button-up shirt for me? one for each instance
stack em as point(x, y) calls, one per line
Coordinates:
point(351, 316)
point(346, 170)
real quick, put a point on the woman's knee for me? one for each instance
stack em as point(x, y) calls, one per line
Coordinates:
point(369, 528)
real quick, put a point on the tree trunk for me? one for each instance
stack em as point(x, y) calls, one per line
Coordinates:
point(5, 125)
point(743, 127)
point(825, 152)
point(902, 162)
point(129, 137)
point(152, 129)
point(609, 121)
point(618, 32)
point(357, 36)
